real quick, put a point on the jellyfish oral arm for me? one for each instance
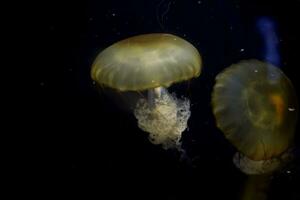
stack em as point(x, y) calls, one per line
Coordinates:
point(153, 94)
point(163, 116)
point(252, 167)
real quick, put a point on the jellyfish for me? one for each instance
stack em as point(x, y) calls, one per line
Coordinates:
point(255, 106)
point(152, 63)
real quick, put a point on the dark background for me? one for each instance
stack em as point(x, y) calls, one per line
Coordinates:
point(110, 156)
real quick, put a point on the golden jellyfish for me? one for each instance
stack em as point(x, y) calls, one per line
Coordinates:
point(152, 62)
point(255, 106)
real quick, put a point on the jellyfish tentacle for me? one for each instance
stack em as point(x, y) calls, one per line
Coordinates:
point(166, 121)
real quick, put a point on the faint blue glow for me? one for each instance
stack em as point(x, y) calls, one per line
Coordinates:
point(268, 29)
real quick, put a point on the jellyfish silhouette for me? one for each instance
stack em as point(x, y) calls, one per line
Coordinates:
point(255, 106)
point(152, 62)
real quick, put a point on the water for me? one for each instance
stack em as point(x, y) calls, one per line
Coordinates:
point(110, 155)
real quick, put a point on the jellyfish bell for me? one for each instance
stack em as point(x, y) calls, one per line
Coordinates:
point(255, 106)
point(151, 62)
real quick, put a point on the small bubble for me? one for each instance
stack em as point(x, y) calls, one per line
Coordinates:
point(288, 171)
point(242, 50)
point(113, 14)
point(255, 70)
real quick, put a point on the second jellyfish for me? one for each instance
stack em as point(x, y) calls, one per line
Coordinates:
point(256, 108)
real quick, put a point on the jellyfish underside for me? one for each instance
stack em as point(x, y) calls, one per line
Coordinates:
point(152, 62)
point(252, 167)
point(255, 107)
